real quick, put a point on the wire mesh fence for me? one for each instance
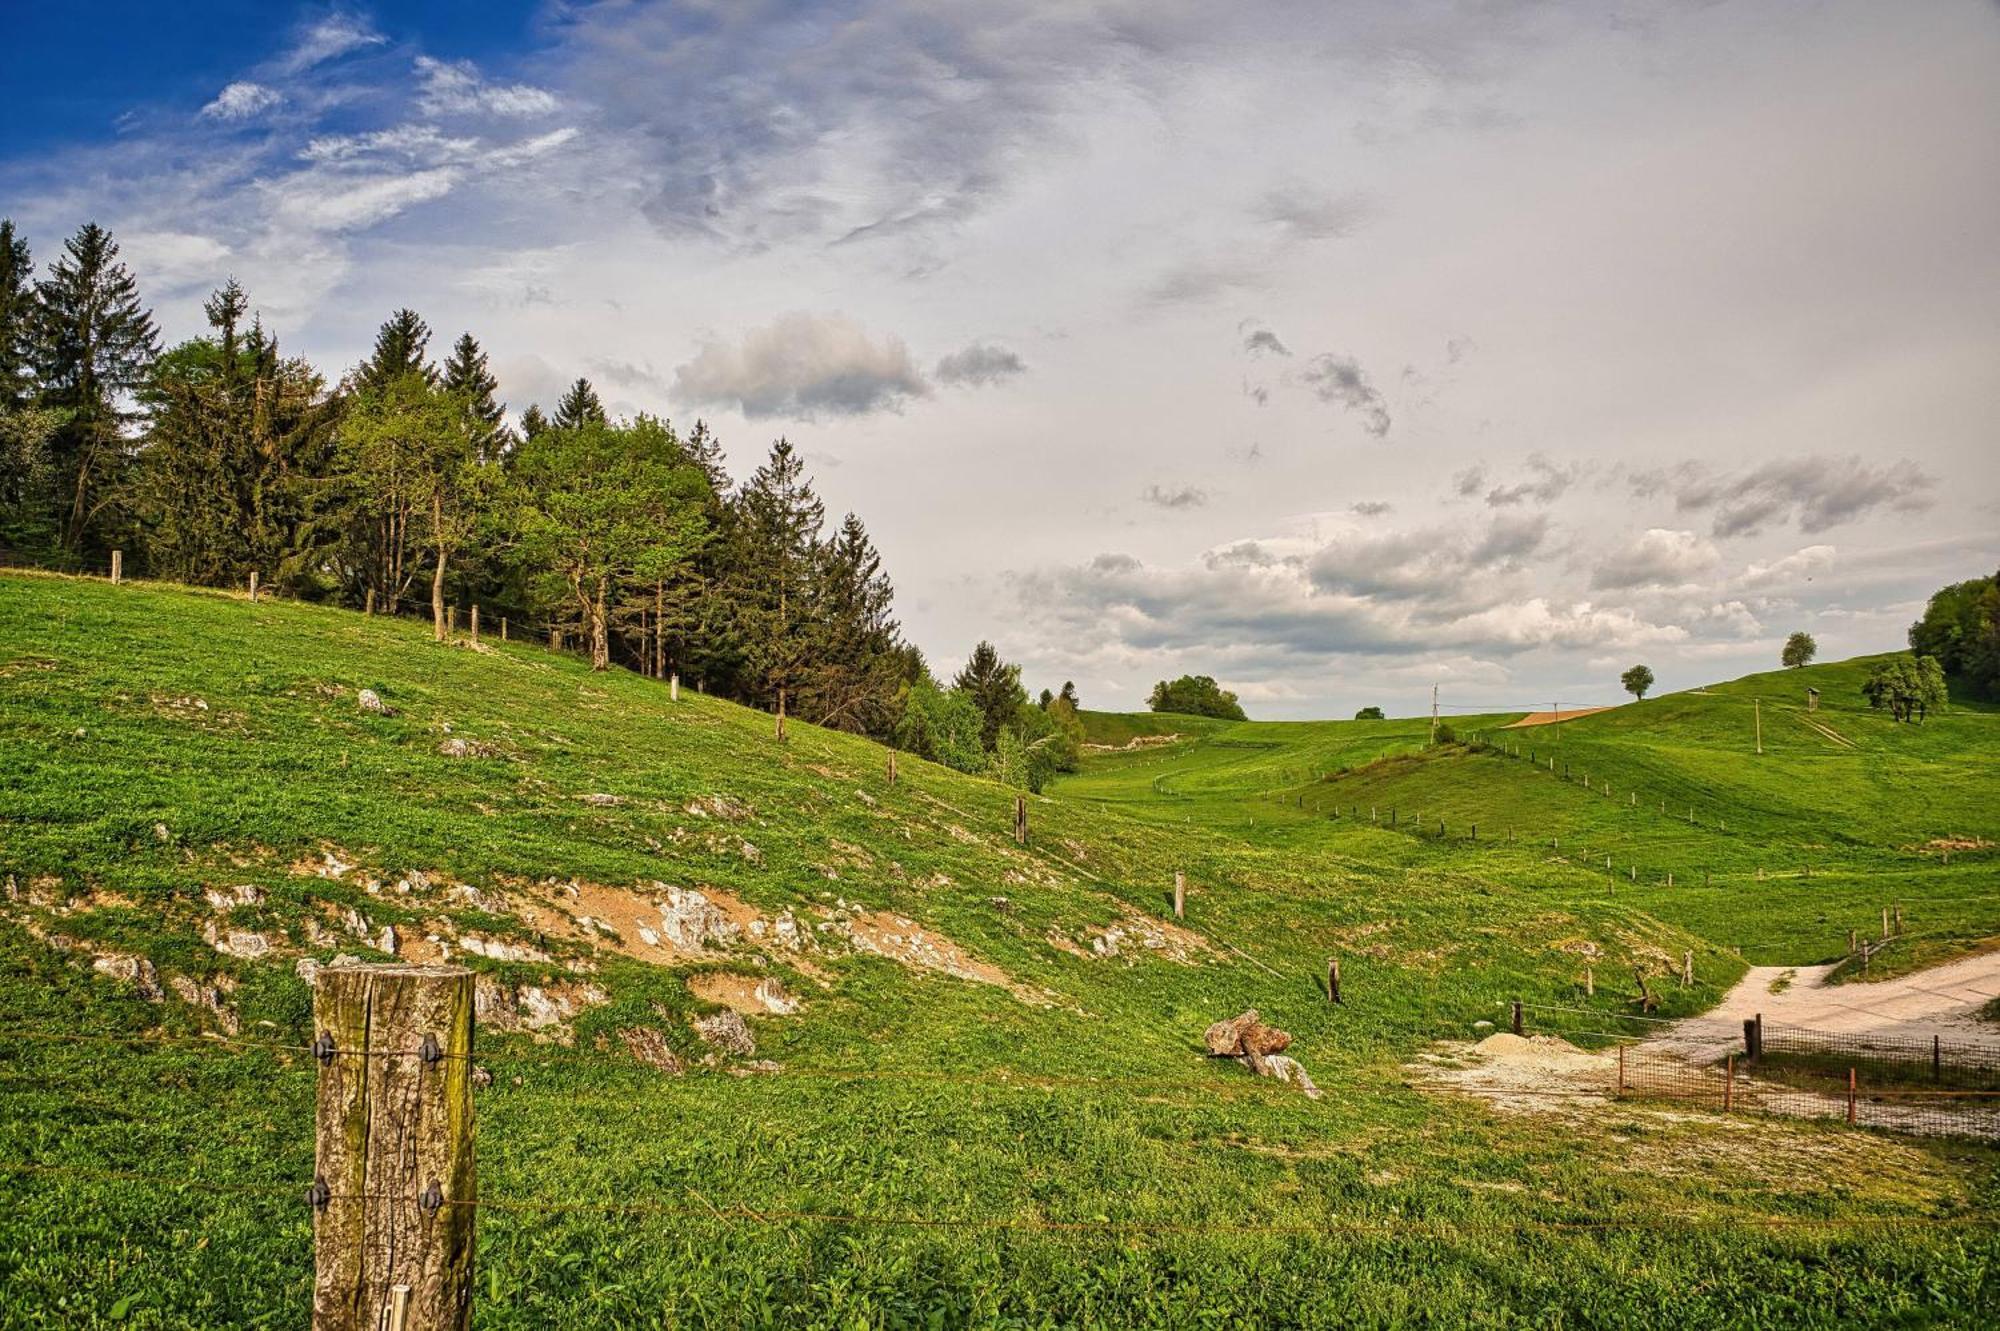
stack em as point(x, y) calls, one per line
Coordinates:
point(1875, 1099)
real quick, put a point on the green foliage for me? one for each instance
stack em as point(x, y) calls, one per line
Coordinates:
point(1799, 650)
point(579, 407)
point(469, 380)
point(594, 508)
point(401, 347)
point(940, 724)
point(995, 689)
point(1907, 688)
point(1370, 713)
point(1961, 628)
point(94, 341)
point(1637, 680)
point(1195, 695)
point(1445, 734)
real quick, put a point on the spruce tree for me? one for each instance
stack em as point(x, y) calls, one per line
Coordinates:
point(17, 305)
point(533, 422)
point(995, 688)
point(774, 529)
point(705, 451)
point(93, 345)
point(467, 375)
point(400, 346)
point(579, 406)
point(853, 669)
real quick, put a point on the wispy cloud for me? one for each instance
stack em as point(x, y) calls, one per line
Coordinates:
point(1340, 380)
point(241, 101)
point(979, 365)
point(1183, 496)
point(456, 87)
point(327, 39)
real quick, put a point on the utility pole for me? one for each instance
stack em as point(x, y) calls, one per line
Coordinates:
point(1757, 713)
point(1557, 707)
point(1434, 715)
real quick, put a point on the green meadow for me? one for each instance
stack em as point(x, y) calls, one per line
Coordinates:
point(1042, 1145)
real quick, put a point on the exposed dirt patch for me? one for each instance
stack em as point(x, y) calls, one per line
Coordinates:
point(752, 995)
point(1136, 742)
point(1132, 936)
point(1553, 718)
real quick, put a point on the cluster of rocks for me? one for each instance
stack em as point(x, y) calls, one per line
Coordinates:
point(1260, 1048)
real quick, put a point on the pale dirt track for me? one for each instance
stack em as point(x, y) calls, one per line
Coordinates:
point(1551, 718)
point(1943, 1000)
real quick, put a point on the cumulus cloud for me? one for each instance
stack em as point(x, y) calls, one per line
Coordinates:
point(1816, 492)
point(1301, 213)
point(1657, 557)
point(803, 365)
point(1788, 571)
point(1341, 381)
point(1186, 496)
point(978, 365)
point(456, 87)
point(241, 100)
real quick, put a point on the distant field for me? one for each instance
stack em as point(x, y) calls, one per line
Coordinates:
point(1032, 1141)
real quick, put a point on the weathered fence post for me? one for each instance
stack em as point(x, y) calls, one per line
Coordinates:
point(503, 628)
point(892, 767)
point(1687, 970)
point(1728, 1082)
point(368, 602)
point(1937, 1058)
point(1621, 1069)
point(394, 1189)
point(253, 584)
point(1850, 1097)
point(1750, 1038)
point(555, 638)
point(780, 731)
point(1180, 894)
point(475, 621)
point(674, 687)
point(1020, 820)
point(117, 567)
point(1885, 923)
point(1589, 982)
point(1333, 979)
point(1517, 1016)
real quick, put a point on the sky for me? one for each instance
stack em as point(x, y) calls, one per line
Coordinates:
point(1335, 351)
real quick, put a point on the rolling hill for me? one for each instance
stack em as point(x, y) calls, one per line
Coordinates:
point(969, 1087)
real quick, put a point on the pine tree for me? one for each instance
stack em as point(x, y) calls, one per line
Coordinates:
point(1068, 695)
point(775, 526)
point(579, 406)
point(853, 670)
point(705, 451)
point(533, 422)
point(17, 306)
point(94, 343)
point(995, 688)
point(400, 346)
point(467, 375)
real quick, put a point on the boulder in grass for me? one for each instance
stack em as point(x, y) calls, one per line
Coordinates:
point(727, 1031)
point(1287, 1070)
point(1245, 1034)
point(371, 701)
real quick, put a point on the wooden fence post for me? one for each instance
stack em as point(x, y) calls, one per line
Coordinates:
point(1517, 1016)
point(117, 567)
point(1621, 1069)
point(1728, 1082)
point(394, 1189)
point(674, 687)
point(253, 584)
point(503, 628)
point(1687, 970)
point(1589, 982)
point(1180, 894)
point(555, 638)
point(1885, 922)
point(475, 621)
point(368, 602)
point(892, 767)
point(780, 731)
point(1850, 1097)
point(1333, 979)
point(1020, 820)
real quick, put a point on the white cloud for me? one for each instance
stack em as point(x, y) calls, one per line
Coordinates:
point(803, 366)
point(978, 365)
point(456, 87)
point(1657, 557)
point(334, 36)
point(241, 101)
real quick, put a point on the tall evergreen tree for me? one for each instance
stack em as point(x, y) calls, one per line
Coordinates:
point(995, 688)
point(853, 669)
point(400, 347)
point(705, 451)
point(533, 422)
point(467, 375)
point(774, 531)
point(94, 343)
point(17, 324)
point(579, 406)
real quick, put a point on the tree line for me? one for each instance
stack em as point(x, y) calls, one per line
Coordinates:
point(401, 486)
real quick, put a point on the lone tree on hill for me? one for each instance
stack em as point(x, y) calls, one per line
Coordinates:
point(1370, 714)
point(1195, 695)
point(1799, 649)
point(1908, 688)
point(1637, 680)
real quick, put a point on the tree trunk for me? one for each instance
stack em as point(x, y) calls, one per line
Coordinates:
point(600, 637)
point(437, 590)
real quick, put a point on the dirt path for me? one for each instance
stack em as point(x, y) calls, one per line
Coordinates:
point(1943, 1000)
point(1551, 718)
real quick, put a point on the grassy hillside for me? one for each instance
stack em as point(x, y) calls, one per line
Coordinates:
point(992, 1108)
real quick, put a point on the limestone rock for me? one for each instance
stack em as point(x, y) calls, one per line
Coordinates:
point(726, 1031)
point(136, 971)
point(1245, 1034)
point(691, 922)
point(650, 1047)
point(371, 701)
point(1283, 1069)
